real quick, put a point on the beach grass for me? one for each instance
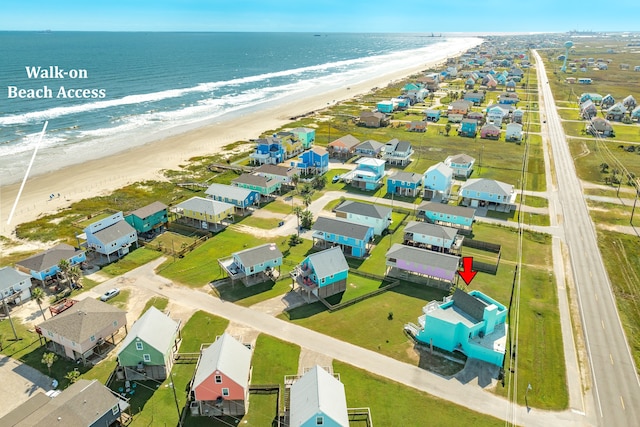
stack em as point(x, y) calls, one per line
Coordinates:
point(134, 259)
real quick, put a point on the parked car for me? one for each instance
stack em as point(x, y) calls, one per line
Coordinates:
point(335, 178)
point(110, 294)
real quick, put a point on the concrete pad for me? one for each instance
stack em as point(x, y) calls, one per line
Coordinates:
point(19, 383)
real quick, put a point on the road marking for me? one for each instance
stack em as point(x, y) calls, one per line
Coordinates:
point(596, 295)
point(602, 321)
point(622, 403)
point(590, 273)
point(611, 357)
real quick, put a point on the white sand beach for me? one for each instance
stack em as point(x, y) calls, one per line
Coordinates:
point(98, 177)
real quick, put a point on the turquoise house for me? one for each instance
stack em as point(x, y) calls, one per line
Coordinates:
point(318, 399)
point(262, 184)
point(385, 106)
point(370, 215)
point(482, 192)
point(323, 273)
point(148, 349)
point(306, 136)
point(471, 323)
point(367, 175)
point(354, 239)
point(459, 217)
point(404, 183)
point(468, 128)
point(44, 265)
point(149, 218)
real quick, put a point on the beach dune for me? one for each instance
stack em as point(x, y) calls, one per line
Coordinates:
point(101, 176)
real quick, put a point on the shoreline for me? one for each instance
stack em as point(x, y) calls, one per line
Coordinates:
point(146, 162)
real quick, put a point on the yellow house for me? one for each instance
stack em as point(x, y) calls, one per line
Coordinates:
point(203, 213)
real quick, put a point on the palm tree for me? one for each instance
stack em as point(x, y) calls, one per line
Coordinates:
point(48, 359)
point(604, 167)
point(298, 211)
point(64, 266)
point(447, 128)
point(295, 179)
point(306, 200)
point(38, 296)
point(75, 273)
point(72, 376)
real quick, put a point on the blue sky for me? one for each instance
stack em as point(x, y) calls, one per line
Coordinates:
point(482, 16)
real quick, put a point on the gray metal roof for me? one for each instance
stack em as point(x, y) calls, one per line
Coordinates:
point(370, 144)
point(328, 262)
point(318, 393)
point(84, 319)
point(9, 276)
point(228, 356)
point(364, 209)
point(114, 232)
point(147, 211)
point(230, 192)
point(154, 328)
point(403, 146)
point(460, 159)
point(341, 227)
point(406, 176)
point(251, 179)
point(424, 257)
point(488, 186)
point(47, 259)
point(79, 405)
point(259, 254)
point(348, 141)
point(443, 208)
point(275, 170)
point(205, 206)
point(442, 168)
point(428, 229)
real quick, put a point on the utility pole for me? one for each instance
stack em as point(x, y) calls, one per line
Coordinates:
point(634, 205)
point(6, 311)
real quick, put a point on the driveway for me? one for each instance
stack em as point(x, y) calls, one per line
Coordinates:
point(19, 383)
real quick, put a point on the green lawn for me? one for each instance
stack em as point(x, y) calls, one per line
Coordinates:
point(172, 240)
point(389, 400)
point(132, 260)
point(121, 299)
point(160, 303)
point(278, 206)
point(259, 222)
point(246, 296)
point(534, 201)
point(612, 213)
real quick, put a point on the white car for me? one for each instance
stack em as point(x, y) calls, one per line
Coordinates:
point(110, 294)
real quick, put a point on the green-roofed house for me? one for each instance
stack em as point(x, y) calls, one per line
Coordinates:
point(148, 349)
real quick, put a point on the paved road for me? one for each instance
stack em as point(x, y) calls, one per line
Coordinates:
point(18, 383)
point(616, 388)
point(471, 397)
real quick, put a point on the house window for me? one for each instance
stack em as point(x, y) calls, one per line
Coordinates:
point(139, 346)
point(115, 409)
point(319, 421)
point(225, 392)
point(323, 280)
point(115, 323)
point(50, 334)
point(218, 379)
point(93, 338)
point(146, 358)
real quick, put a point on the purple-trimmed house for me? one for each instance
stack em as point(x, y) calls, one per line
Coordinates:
point(422, 266)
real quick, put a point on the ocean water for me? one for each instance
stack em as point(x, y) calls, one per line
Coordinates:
point(104, 92)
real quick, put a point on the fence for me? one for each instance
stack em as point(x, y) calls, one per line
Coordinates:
point(485, 267)
point(378, 291)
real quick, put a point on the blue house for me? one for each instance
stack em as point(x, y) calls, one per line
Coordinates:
point(367, 214)
point(508, 98)
point(481, 192)
point(404, 184)
point(306, 136)
point(476, 97)
point(369, 148)
point(495, 115)
point(435, 237)
point(432, 115)
point(240, 197)
point(459, 217)
point(262, 184)
point(367, 175)
point(269, 150)
point(438, 180)
point(461, 164)
point(471, 323)
point(254, 265)
point(15, 286)
point(313, 162)
point(111, 236)
point(318, 399)
point(385, 106)
point(323, 273)
point(354, 239)
point(44, 265)
point(468, 128)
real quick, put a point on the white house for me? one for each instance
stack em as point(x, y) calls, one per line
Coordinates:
point(514, 132)
point(112, 235)
point(462, 165)
point(14, 285)
point(438, 181)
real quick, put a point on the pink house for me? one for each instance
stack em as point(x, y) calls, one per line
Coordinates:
point(221, 382)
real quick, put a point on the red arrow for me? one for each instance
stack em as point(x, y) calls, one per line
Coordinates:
point(466, 273)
